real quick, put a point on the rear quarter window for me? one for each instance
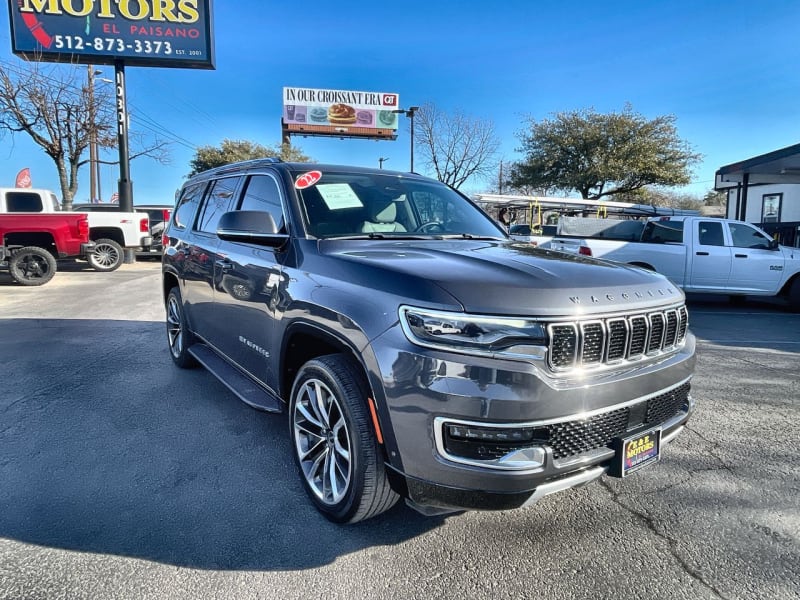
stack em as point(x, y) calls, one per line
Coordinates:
point(661, 232)
point(187, 204)
point(23, 202)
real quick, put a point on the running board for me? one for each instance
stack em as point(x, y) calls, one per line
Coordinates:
point(240, 384)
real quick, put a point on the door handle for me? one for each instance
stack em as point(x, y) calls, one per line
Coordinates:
point(701, 253)
point(740, 255)
point(225, 265)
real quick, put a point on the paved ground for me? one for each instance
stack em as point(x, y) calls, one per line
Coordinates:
point(124, 477)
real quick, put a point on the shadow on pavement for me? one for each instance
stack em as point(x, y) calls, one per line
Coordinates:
point(106, 447)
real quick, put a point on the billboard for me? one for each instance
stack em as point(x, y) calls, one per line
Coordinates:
point(147, 33)
point(340, 113)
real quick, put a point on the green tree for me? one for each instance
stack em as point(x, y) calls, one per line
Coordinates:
point(715, 198)
point(229, 151)
point(656, 196)
point(600, 155)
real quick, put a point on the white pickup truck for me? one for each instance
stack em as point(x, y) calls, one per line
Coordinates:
point(700, 254)
point(111, 232)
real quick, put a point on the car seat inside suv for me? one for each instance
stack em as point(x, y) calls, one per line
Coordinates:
point(381, 215)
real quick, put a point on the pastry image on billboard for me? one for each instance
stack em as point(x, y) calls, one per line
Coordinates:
point(387, 118)
point(318, 115)
point(341, 114)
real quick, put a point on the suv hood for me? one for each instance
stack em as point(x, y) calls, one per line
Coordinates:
point(499, 277)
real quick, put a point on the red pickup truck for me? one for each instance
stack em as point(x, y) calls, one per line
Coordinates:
point(31, 243)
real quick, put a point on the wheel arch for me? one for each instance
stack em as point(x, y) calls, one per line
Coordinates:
point(42, 239)
point(305, 341)
point(110, 233)
point(168, 281)
point(787, 287)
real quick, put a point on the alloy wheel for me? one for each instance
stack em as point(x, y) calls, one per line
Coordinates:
point(322, 441)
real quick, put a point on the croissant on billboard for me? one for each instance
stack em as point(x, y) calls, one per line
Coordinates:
point(148, 33)
point(340, 113)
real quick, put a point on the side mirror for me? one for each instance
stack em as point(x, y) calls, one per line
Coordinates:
point(774, 244)
point(251, 227)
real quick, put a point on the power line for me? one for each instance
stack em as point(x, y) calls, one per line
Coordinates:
point(141, 116)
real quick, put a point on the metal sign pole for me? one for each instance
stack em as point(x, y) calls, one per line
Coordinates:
point(125, 183)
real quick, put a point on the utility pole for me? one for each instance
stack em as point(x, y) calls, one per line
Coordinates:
point(92, 135)
point(94, 146)
point(410, 114)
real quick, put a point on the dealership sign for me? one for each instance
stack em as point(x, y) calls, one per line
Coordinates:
point(314, 111)
point(148, 33)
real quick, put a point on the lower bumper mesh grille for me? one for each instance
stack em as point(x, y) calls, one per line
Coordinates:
point(570, 438)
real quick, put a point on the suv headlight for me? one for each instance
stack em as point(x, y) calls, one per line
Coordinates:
point(474, 334)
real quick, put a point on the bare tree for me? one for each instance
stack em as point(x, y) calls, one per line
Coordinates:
point(56, 108)
point(456, 147)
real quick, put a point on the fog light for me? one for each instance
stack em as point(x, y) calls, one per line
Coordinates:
point(485, 434)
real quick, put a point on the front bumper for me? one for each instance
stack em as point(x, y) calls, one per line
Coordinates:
point(431, 498)
point(424, 390)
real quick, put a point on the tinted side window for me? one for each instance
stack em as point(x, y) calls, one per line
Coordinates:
point(710, 233)
point(262, 193)
point(218, 202)
point(663, 231)
point(744, 236)
point(23, 202)
point(187, 205)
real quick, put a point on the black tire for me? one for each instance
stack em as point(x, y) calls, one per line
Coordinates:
point(106, 256)
point(32, 266)
point(794, 295)
point(329, 419)
point(179, 337)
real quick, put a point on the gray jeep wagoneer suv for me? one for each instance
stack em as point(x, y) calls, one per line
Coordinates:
point(419, 351)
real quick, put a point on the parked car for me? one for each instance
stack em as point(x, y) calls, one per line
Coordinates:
point(523, 233)
point(419, 354)
point(111, 231)
point(30, 243)
point(157, 214)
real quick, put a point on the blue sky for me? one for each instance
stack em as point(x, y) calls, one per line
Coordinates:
point(727, 71)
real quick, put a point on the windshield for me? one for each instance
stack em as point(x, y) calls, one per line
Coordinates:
point(376, 205)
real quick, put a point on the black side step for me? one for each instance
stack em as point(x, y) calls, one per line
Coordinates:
point(240, 384)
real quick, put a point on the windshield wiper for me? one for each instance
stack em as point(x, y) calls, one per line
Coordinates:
point(467, 236)
point(377, 236)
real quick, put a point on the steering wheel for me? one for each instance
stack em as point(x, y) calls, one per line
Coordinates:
point(431, 227)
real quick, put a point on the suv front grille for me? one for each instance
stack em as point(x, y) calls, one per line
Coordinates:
point(577, 344)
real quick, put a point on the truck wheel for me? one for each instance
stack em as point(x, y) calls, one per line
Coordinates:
point(106, 256)
point(32, 265)
point(794, 295)
point(334, 443)
point(178, 334)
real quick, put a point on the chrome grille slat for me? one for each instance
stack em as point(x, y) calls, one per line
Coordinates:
point(595, 342)
point(617, 339)
point(656, 341)
point(592, 342)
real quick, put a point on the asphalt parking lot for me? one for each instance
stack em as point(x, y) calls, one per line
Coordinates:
point(124, 477)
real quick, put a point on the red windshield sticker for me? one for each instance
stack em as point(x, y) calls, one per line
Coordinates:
point(307, 179)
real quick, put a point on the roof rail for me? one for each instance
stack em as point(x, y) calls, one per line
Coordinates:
point(238, 166)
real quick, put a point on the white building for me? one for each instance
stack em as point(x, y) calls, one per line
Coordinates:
point(765, 190)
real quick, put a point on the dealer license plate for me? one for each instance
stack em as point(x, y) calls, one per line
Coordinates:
point(638, 451)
